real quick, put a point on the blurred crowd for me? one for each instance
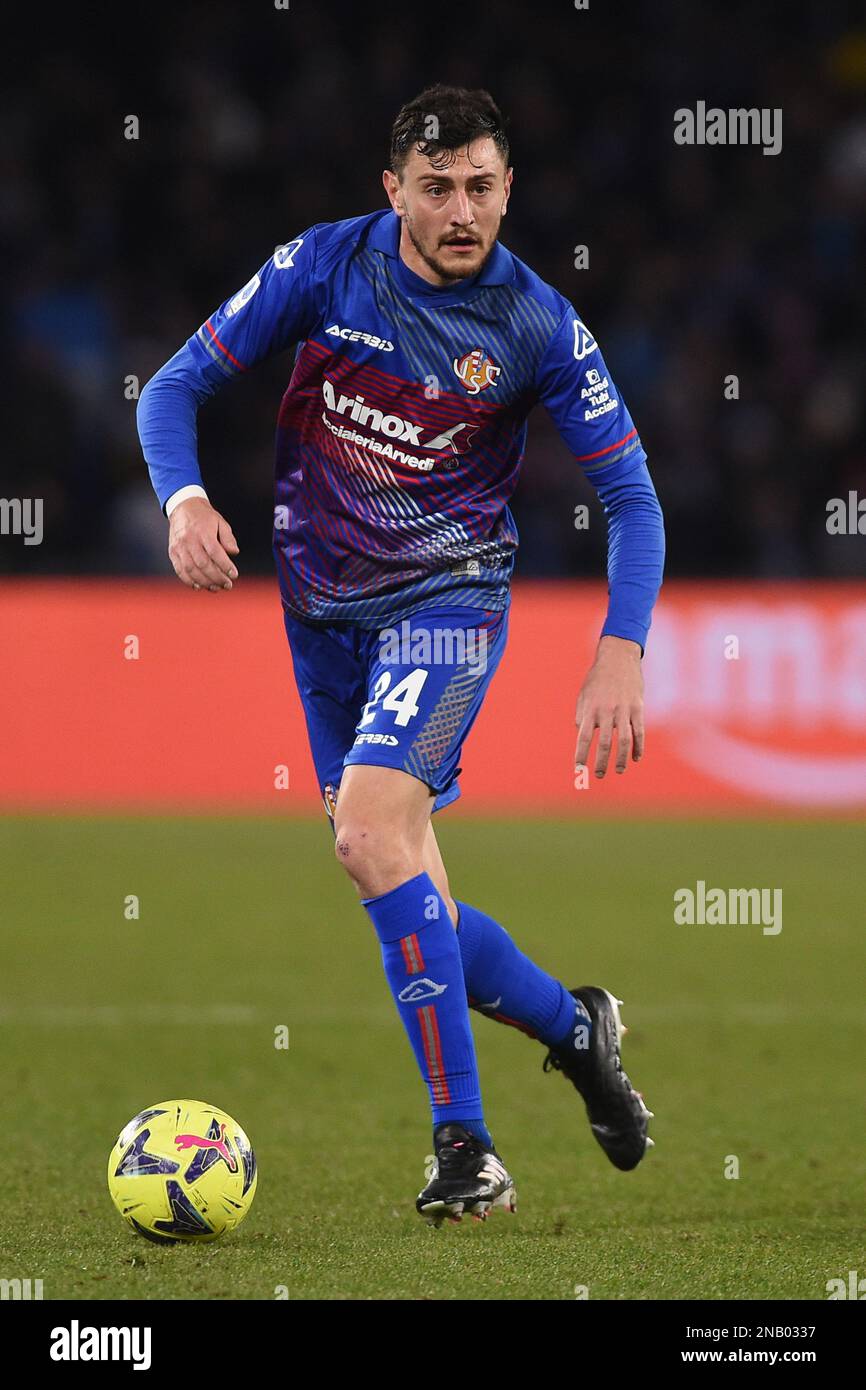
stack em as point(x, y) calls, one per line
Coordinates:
point(704, 263)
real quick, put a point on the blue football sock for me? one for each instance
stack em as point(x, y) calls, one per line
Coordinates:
point(423, 964)
point(506, 985)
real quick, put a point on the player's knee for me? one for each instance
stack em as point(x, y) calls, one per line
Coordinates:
point(373, 854)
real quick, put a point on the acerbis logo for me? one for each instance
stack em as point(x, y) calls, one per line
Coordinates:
point(584, 343)
point(284, 256)
point(471, 569)
point(420, 989)
point(356, 335)
point(388, 739)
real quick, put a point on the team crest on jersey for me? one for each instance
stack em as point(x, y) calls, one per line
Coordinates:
point(476, 370)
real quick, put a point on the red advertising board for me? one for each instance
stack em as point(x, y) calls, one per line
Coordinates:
point(143, 695)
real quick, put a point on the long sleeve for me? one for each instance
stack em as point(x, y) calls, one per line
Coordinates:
point(275, 309)
point(635, 553)
point(166, 419)
point(575, 385)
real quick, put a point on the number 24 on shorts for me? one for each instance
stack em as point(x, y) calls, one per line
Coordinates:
point(402, 699)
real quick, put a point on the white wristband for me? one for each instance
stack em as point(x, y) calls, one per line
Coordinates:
point(193, 490)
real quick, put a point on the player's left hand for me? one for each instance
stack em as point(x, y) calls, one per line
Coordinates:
point(611, 700)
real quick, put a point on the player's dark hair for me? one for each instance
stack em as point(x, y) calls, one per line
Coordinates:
point(442, 120)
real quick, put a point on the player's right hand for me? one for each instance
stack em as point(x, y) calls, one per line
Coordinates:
point(200, 546)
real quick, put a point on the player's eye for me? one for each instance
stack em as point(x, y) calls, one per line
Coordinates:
point(483, 188)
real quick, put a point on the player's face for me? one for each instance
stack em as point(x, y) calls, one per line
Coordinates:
point(451, 215)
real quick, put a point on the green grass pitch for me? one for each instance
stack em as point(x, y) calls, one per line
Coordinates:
point(744, 1044)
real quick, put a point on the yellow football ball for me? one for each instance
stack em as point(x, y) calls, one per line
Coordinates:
point(182, 1171)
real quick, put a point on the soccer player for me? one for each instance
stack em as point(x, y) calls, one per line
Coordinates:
point(421, 344)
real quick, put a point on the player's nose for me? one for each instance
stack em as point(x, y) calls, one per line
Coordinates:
point(462, 213)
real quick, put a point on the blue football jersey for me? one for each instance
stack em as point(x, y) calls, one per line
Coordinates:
point(402, 430)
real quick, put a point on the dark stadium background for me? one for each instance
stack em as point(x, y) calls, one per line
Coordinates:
point(256, 122)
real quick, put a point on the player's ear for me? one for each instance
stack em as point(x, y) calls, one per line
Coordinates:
point(509, 173)
point(392, 188)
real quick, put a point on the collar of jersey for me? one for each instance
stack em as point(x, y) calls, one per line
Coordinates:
point(385, 237)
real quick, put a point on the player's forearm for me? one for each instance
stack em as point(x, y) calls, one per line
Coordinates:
point(636, 550)
point(166, 419)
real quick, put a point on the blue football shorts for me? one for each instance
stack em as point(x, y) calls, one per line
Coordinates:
point(404, 696)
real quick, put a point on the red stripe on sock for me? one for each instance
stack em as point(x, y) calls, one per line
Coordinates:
point(514, 1023)
point(502, 1018)
point(433, 1054)
point(412, 957)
